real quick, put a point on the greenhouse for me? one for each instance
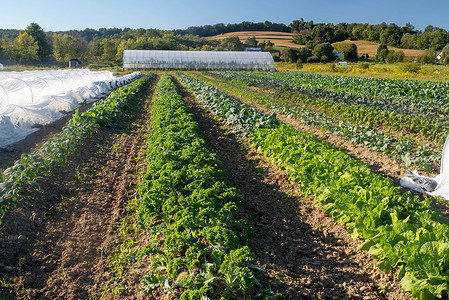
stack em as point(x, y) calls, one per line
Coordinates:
point(197, 60)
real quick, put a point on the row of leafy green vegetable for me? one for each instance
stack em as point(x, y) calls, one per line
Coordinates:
point(355, 107)
point(404, 150)
point(56, 150)
point(189, 210)
point(424, 96)
point(399, 230)
point(244, 118)
point(411, 95)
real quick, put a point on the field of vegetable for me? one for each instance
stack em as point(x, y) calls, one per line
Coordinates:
point(399, 230)
point(412, 138)
point(204, 186)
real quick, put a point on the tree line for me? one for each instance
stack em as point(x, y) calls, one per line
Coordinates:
point(406, 37)
point(106, 45)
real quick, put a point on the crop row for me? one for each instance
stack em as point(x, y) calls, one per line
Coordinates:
point(368, 110)
point(244, 118)
point(423, 96)
point(189, 209)
point(399, 230)
point(404, 150)
point(55, 151)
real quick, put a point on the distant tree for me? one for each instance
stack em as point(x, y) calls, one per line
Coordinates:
point(303, 54)
point(323, 52)
point(266, 45)
point(109, 51)
point(95, 51)
point(310, 45)
point(232, 43)
point(291, 55)
point(251, 42)
point(382, 52)
point(349, 50)
point(428, 57)
point(124, 45)
point(66, 47)
point(206, 48)
point(408, 41)
point(44, 47)
point(438, 40)
point(424, 40)
point(394, 56)
point(25, 48)
point(2, 50)
point(445, 55)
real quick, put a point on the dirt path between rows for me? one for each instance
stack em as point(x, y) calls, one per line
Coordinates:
point(55, 243)
point(306, 254)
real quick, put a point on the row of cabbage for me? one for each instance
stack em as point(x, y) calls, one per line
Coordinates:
point(424, 117)
point(403, 150)
point(198, 247)
point(411, 95)
point(55, 151)
point(399, 230)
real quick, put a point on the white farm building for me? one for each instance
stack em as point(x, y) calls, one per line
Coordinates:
point(197, 60)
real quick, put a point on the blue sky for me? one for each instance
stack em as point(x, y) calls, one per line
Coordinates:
point(58, 15)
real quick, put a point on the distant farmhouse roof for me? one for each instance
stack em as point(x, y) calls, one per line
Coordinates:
point(197, 60)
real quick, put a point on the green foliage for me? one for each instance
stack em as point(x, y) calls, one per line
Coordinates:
point(445, 55)
point(25, 49)
point(409, 67)
point(66, 47)
point(328, 117)
point(349, 50)
point(399, 231)
point(363, 65)
point(266, 45)
point(244, 118)
point(394, 225)
point(291, 55)
point(323, 51)
point(389, 34)
point(415, 107)
point(394, 56)
point(44, 47)
point(232, 43)
point(186, 191)
point(382, 52)
point(428, 57)
point(251, 41)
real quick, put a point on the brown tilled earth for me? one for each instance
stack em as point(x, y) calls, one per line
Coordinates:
point(55, 244)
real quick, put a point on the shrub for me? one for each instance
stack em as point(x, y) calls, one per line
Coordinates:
point(409, 67)
point(428, 57)
point(363, 65)
point(382, 52)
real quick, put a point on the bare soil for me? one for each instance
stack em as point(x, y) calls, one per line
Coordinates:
point(55, 243)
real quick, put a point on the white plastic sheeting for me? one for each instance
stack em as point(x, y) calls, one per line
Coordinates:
point(197, 60)
point(31, 99)
point(441, 179)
